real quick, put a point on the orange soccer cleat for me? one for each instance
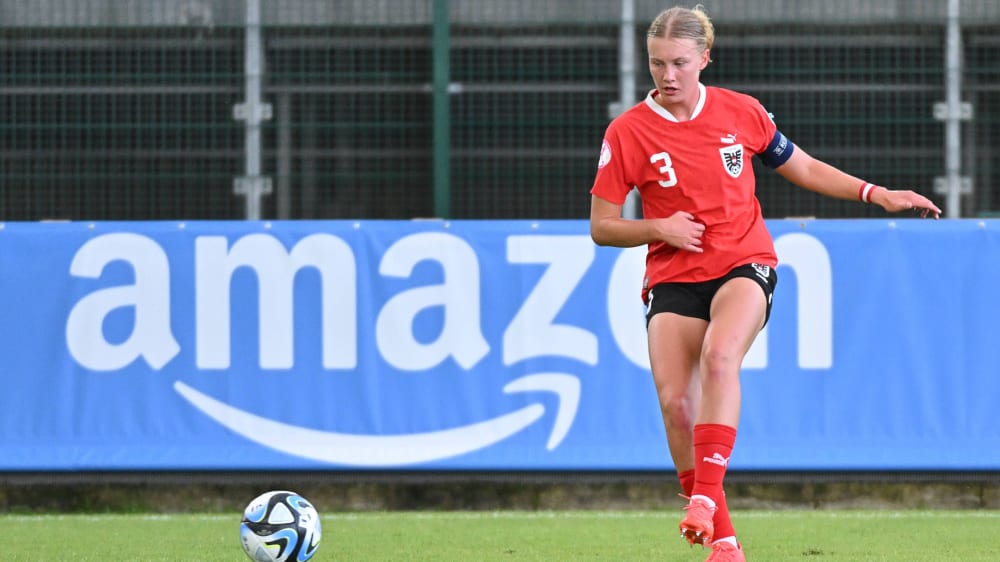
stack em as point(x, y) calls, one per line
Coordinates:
point(697, 527)
point(724, 551)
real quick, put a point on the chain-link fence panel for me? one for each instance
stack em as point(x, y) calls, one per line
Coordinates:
point(118, 123)
point(352, 132)
point(981, 136)
point(125, 109)
point(859, 98)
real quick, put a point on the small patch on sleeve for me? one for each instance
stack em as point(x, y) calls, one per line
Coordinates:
point(605, 154)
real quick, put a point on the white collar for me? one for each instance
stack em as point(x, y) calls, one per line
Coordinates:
point(662, 111)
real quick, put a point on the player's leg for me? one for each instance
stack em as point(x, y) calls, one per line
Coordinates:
point(739, 311)
point(674, 350)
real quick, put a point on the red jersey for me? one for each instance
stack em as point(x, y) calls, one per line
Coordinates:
point(701, 166)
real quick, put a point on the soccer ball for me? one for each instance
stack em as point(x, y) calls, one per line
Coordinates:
point(280, 526)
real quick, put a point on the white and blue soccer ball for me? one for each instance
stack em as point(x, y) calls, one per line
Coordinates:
point(280, 526)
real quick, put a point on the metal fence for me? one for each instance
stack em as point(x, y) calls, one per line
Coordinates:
point(149, 109)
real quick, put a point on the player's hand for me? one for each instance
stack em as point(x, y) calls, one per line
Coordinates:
point(896, 200)
point(680, 230)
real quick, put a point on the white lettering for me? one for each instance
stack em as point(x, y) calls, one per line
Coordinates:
point(148, 297)
point(461, 335)
point(666, 169)
point(275, 269)
point(533, 332)
point(810, 261)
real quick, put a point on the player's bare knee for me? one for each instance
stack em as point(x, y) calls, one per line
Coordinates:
point(719, 362)
point(678, 409)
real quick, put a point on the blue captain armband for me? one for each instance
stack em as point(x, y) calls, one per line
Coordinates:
point(778, 152)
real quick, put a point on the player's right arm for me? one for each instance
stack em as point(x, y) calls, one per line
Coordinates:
point(609, 228)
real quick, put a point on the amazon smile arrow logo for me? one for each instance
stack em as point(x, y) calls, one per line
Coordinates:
point(401, 449)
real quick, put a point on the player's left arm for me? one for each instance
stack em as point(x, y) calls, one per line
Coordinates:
point(815, 175)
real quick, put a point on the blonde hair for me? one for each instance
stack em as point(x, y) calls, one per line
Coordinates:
point(684, 23)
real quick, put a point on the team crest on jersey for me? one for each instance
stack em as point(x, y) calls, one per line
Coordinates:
point(732, 159)
point(605, 155)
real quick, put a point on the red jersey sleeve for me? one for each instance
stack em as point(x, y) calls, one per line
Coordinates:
point(765, 123)
point(611, 181)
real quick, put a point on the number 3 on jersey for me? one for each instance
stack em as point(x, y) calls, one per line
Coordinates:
point(666, 169)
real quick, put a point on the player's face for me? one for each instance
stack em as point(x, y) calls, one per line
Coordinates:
point(676, 65)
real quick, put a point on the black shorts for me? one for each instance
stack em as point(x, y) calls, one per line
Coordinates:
point(695, 299)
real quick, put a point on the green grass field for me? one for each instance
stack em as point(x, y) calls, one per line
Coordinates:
point(849, 536)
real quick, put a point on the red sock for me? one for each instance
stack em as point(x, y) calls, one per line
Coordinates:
point(713, 444)
point(687, 481)
point(723, 524)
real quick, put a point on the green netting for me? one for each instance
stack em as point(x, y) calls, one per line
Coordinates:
point(112, 110)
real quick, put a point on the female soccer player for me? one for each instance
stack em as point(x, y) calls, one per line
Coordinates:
point(710, 262)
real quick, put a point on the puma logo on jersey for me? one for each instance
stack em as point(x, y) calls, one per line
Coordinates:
point(728, 139)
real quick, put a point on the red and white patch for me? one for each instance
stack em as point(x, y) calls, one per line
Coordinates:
point(605, 155)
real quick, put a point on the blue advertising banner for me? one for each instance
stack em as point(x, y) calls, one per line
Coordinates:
point(475, 345)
